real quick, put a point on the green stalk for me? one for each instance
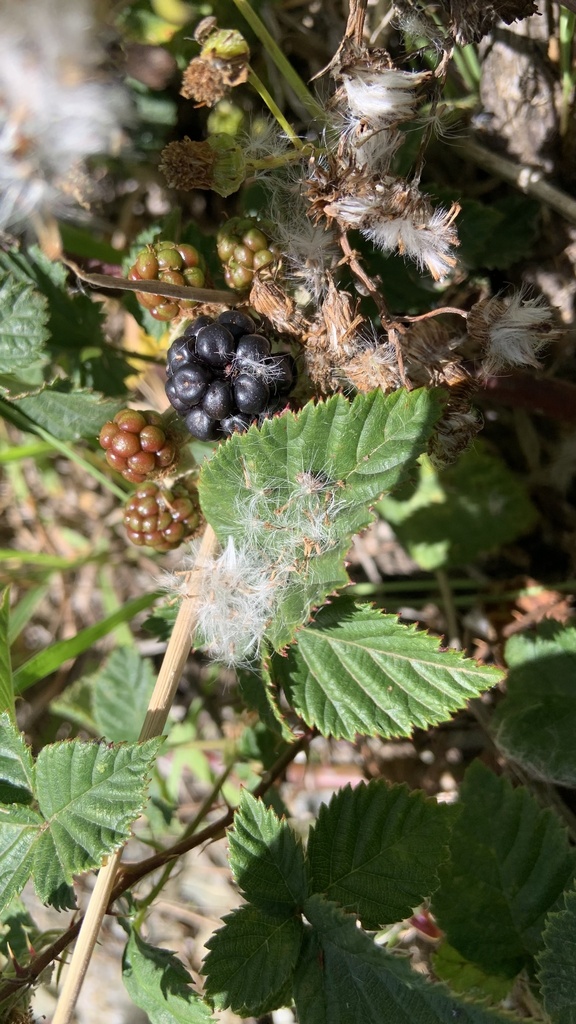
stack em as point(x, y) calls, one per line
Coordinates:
point(284, 66)
point(274, 109)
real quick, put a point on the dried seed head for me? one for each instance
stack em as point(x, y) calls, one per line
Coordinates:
point(217, 163)
point(222, 64)
point(511, 332)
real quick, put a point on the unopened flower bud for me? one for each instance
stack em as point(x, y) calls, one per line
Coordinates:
point(226, 44)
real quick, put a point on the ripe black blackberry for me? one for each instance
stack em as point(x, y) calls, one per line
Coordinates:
point(223, 376)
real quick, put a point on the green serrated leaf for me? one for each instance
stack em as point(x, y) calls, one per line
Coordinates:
point(159, 984)
point(250, 960)
point(449, 518)
point(23, 330)
point(267, 859)
point(16, 764)
point(6, 683)
point(89, 794)
point(19, 829)
point(74, 320)
point(121, 691)
point(509, 863)
point(466, 978)
point(536, 722)
point(69, 413)
point(558, 963)
point(375, 850)
point(356, 670)
point(300, 486)
point(343, 977)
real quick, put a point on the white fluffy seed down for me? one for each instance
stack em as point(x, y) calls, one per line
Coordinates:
point(57, 105)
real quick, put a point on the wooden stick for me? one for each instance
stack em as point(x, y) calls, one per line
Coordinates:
point(171, 669)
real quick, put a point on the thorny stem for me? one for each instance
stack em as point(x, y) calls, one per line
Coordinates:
point(527, 179)
point(284, 67)
point(351, 258)
point(158, 708)
point(130, 874)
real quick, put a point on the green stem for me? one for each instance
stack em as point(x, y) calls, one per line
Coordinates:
point(284, 66)
point(274, 109)
point(20, 420)
point(269, 163)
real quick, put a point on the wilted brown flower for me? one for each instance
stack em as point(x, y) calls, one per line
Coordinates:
point(217, 163)
point(222, 64)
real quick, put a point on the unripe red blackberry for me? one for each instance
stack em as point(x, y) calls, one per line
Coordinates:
point(161, 519)
point(137, 445)
point(244, 247)
point(171, 263)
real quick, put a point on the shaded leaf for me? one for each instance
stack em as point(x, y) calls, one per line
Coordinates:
point(159, 984)
point(375, 850)
point(267, 859)
point(356, 670)
point(451, 517)
point(343, 977)
point(74, 320)
point(535, 724)
point(558, 963)
point(17, 929)
point(466, 978)
point(23, 330)
point(250, 960)
point(120, 694)
point(509, 863)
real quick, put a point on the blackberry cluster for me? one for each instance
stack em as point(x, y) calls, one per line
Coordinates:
point(222, 376)
point(172, 264)
point(136, 444)
point(161, 519)
point(244, 248)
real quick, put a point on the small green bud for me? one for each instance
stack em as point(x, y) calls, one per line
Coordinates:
point(227, 44)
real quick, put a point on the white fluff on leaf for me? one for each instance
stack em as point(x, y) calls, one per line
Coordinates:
point(57, 105)
point(238, 593)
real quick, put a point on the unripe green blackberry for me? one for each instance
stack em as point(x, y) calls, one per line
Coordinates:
point(137, 445)
point(244, 247)
point(171, 263)
point(162, 519)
